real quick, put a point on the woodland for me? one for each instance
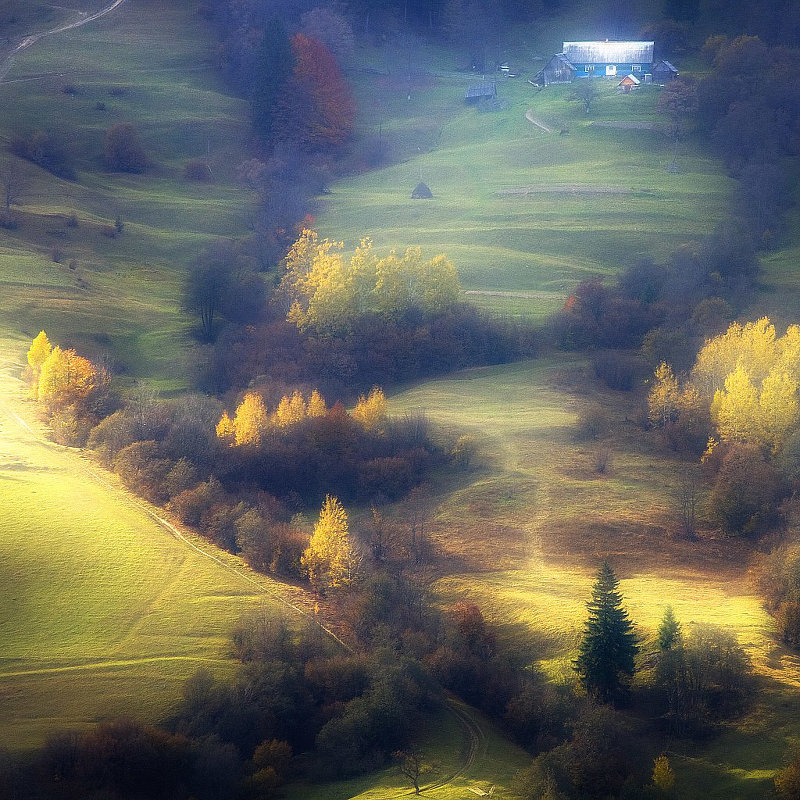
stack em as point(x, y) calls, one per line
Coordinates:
point(291, 449)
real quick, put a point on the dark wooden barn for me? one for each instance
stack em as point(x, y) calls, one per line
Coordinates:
point(480, 91)
point(559, 69)
point(664, 72)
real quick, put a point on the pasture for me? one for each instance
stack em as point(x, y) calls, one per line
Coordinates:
point(524, 213)
point(60, 269)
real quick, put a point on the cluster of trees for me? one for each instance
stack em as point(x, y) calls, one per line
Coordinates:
point(329, 295)
point(743, 389)
point(343, 324)
point(73, 392)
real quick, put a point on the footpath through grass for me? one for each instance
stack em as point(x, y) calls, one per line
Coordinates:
point(104, 611)
point(524, 536)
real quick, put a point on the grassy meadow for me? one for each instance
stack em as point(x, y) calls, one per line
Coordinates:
point(524, 213)
point(151, 65)
point(104, 611)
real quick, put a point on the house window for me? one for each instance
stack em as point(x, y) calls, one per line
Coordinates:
point(636, 68)
point(590, 68)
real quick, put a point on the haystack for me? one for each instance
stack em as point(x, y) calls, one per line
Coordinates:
point(421, 192)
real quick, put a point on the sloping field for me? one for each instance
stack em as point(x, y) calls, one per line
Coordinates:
point(149, 64)
point(104, 611)
point(517, 208)
point(526, 533)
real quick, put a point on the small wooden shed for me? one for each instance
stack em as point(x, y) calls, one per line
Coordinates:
point(664, 72)
point(480, 91)
point(628, 84)
point(559, 69)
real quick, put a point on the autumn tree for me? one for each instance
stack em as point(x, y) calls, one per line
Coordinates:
point(315, 108)
point(663, 776)
point(608, 648)
point(330, 560)
point(251, 420)
point(662, 401)
point(38, 353)
point(370, 411)
point(13, 183)
point(66, 378)
point(325, 292)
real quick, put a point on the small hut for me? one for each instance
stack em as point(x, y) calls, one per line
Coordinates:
point(628, 84)
point(664, 72)
point(480, 91)
point(559, 69)
point(421, 192)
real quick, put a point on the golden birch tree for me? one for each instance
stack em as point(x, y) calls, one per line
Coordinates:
point(662, 401)
point(330, 560)
point(371, 411)
point(251, 420)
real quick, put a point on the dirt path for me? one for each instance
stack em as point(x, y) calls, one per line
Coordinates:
point(535, 122)
point(294, 599)
point(28, 41)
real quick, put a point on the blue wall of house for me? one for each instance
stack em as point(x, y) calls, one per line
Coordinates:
point(621, 70)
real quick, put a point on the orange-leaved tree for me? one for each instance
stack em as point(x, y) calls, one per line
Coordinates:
point(315, 108)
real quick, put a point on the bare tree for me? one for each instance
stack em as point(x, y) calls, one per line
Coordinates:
point(13, 182)
point(412, 766)
point(687, 493)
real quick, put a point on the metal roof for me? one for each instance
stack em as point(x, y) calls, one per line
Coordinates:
point(609, 52)
point(485, 89)
point(664, 64)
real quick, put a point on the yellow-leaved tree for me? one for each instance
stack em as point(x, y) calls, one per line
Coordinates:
point(251, 420)
point(662, 401)
point(330, 560)
point(663, 776)
point(371, 411)
point(38, 353)
point(291, 410)
point(316, 405)
point(324, 291)
point(65, 378)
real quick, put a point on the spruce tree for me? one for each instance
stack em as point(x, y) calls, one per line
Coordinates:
point(608, 649)
point(669, 631)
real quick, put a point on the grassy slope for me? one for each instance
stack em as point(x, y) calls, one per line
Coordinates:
point(150, 65)
point(538, 500)
point(104, 612)
point(599, 198)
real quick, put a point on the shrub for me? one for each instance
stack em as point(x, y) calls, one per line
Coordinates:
point(746, 492)
point(46, 150)
point(122, 150)
point(197, 169)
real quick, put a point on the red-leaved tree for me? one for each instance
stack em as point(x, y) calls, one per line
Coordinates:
point(315, 109)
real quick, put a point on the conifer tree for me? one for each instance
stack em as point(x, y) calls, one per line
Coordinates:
point(669, 631)
point(330, 560)
point(608, 650)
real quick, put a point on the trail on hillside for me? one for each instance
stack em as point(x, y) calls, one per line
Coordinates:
point(474, 736)
point(30, 40)
point(535, 122)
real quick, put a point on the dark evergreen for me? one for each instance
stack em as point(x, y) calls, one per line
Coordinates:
point(274, 63)
point(669, 632)
point(608, 650)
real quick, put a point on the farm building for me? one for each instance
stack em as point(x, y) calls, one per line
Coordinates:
point(480, 91)
point(557, 70)
point(664, 72)
point(595, 59)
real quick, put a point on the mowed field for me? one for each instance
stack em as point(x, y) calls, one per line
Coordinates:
point(149, 64)
point(525, 213)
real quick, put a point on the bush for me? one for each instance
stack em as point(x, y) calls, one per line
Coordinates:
point(122, 150)
point(46, 150)
point(746, 491)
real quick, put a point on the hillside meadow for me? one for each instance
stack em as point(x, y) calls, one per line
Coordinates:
point(151, 65)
